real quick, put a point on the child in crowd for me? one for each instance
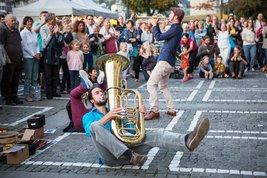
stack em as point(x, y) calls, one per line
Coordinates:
point(205, 68)
point(149, 62)
point(155, 52)
point(124, 52)
point(75, 63)
point(185, 62)
point(67, 35)
point(88, 62)
point(93, 75)
point(219, 68)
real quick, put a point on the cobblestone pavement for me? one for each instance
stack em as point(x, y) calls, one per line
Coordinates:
point(234, 147)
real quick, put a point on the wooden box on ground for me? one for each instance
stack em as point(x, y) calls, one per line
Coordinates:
point(17, 154)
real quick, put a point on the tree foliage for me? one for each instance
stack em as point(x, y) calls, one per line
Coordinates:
point(149, 6)
point(208, 5)
point(247, 8)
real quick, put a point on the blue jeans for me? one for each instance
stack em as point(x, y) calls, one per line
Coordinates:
point(74, 79)
point(31, 69)
point(111, 149)
point(250, 53)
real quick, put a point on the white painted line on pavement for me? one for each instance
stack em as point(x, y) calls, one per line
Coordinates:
point(240, 101)
point(218, 171)
point(236, 137)
point(212, 83)
point(142, 86)
point(44, 109)
point(237, 131)
point(173, 88)
point(200, 84)
point(174, 120)
point(207, 95)
point(192, 95)
point(194, 121)
point(238, 89)
point(150, 156)
point(162, 100)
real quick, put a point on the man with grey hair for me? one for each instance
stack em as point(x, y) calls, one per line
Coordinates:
point(53, 43)
point(12, 71)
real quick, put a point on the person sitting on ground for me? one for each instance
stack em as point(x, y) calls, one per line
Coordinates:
point(114, 152)
point(219, 68)
point(237, 63)
point(76, 107)
point(205, 69)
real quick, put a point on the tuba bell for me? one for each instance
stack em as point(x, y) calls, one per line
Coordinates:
point(129, 125)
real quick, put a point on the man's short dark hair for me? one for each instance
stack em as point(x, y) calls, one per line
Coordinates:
point(90, 94)
point(89, 16)
point(43, 12)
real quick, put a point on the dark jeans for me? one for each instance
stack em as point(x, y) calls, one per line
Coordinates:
point(51, 79)
point(260, 54)
point(11, 77)
point(136, 65)
point(237, 68)
point(74, 79)
point(66, 76)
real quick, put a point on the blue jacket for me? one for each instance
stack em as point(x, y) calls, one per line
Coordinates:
point(172, 39)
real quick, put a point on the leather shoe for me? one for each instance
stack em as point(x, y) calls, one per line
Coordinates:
point(152, 115)
point(171, 113)
point(196, 136)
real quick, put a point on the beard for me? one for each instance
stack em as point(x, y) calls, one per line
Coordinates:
point(101, 103)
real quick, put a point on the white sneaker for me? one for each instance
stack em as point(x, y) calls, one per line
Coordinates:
point(246, 69)
point(87, 84)
point(252, 70)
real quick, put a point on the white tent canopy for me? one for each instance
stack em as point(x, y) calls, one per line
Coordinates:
point(98, 10)
point(60, 8)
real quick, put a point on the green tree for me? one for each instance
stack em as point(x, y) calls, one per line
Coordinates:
point(149, 6)
point(248, 8)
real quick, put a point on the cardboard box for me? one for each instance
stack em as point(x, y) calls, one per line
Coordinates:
point(37, 121)
point(17, 154)
point(39, 133)
point(28, 135)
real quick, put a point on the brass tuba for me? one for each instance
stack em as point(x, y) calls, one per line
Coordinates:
point(129, 125)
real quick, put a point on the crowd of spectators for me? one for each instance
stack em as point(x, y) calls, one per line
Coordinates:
point(217, 48)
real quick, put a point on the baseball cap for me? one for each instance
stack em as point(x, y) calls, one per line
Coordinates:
point(178, 12)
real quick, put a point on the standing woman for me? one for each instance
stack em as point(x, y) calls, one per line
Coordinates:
point(79, 32)
point(192, 51)
point(249, 45)
point(200, 32)
point(109, 34)
point(31, 55)
point(223, 43)
point(96, 41)
point(132, 38)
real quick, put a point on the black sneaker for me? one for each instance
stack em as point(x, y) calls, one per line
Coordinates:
point(138, 159)
point(197, 135)
point(10, 102)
